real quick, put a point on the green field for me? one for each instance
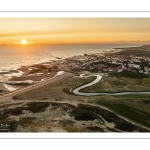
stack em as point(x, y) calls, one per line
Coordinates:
point(146, 81)
point(133, 52)
point(102, 86)
point(135, 109)
point(132, 107)
point(128, 80)
point(135, 115)
point(121, 84)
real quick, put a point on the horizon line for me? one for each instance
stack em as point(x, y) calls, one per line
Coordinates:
point(120, 42)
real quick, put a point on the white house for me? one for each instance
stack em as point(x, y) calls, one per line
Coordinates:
point(134, 66)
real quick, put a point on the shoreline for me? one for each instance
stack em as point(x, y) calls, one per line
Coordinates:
point(32, 102)
point(24, 75)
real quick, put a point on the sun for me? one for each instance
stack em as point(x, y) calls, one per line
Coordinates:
point(23, 41)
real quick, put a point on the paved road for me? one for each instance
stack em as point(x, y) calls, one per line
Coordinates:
point(77, 90)
point(51, 80)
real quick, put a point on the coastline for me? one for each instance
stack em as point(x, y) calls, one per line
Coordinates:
point(22, 76)
point(51, 89)
point(14, 79)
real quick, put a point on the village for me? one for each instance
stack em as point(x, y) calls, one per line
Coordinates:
point(107, 63)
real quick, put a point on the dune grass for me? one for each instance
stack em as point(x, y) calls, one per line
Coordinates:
point(135, 115)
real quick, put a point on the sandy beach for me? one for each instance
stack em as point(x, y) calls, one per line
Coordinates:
point(74, 75)
point(34, 77)
point(25, 75)
point(2, 87)
point(49, 106)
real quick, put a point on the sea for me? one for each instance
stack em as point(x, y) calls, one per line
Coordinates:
point(12, 57)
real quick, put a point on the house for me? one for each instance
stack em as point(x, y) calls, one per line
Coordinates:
point(145, 68)
point(134, 66)
point(146, 72)
point(105, 69)
point(140, 71)
point(110, 69)
point(123, 66)
point(119, 70)
point(113, 62)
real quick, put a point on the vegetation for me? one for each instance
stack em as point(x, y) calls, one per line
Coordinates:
point(51, 91)
point(131, 113)
point(37, 107)
point(129, 80)
point(133, 52)
point(102, 86)
point(67, 91)
point(127, 74)
point(82, 114)
point(133, 96)
point(34, 107)
point(133, 107)
point(146, 46)
point(146, 81)
point(113, 118)
point(20, 84)
point(118, 84)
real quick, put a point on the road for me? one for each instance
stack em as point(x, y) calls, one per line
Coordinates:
point(34, 86)
point(51, 80)
point(77, 90)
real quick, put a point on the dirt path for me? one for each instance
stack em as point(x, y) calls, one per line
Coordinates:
point(75, 103)
point(35, 86)
point(46, 82)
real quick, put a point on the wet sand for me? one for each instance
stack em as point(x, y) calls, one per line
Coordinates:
point(37, 76)
point(2, 87)
point(28, 74)
point(34, 77)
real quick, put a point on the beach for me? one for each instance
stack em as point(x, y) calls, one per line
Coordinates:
point(50, 97)
point(28, 75)
point(74, 75)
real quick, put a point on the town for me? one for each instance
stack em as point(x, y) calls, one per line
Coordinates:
point(107, 63)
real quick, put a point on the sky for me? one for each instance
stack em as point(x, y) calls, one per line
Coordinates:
point(74, 30)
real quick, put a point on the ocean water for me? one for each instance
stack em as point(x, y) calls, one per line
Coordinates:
point(12, 57)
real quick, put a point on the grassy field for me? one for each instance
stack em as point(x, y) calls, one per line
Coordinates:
point(103, 86)
point(120, 123)
point(128, 80)
point(135, 109)
point(132, 107)
point(58, 90)
point(134, 52)
point(121, 84)
point(135, 115)
point(146, 82)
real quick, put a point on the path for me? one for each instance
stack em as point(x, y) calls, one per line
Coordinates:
point(34, 86)
point(77, 90)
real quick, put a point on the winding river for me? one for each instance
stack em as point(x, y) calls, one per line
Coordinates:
point(77, 90)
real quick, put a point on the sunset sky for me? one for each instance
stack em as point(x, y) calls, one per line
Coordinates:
point(74, 30)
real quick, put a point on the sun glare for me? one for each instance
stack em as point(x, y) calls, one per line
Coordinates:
point(23, 41)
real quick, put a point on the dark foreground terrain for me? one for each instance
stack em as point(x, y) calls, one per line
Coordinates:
point(52, 107)
point(62, 117)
